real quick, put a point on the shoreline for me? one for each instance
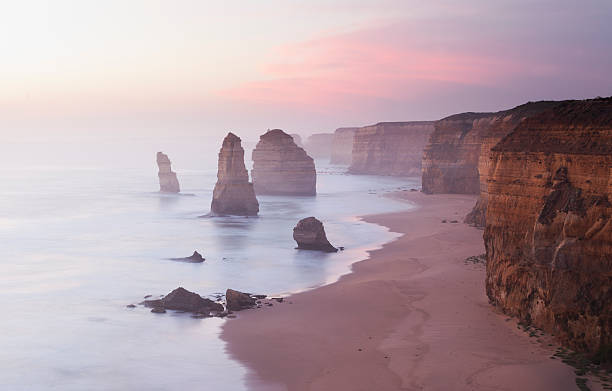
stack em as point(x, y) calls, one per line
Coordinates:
point(413, 315)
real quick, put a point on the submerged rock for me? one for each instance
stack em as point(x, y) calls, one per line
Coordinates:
point(181, 299)
point(196, 257)
point(168, 183)
point(236, 301)
point(233, 193)
point(310, 235)
point(280, 167)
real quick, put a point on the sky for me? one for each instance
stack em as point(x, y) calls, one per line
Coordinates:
point(151, 68)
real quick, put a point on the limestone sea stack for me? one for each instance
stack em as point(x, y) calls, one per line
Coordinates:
point(342, 146)
point(548, 234)
point(280, 167)
point(390, 148)
point(310, 235)
point(233, 193)
point(168, 183)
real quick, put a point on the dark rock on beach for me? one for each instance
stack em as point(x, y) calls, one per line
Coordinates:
point(181, 299)
point(310, 235)
point(236, 301)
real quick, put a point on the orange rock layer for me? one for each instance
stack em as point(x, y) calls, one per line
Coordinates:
point(548, 231)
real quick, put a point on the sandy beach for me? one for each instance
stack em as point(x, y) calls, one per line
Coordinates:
point(414, 316)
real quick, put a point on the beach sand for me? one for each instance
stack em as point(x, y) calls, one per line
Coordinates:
point(414, 316)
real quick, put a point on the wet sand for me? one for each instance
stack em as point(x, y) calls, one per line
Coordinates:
point(414, 316)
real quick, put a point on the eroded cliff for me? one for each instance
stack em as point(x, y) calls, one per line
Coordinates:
point(319, 145)
point(456, 158)
point(548, 232)
point(390, 148)
point(280, 167)
point(342, 146)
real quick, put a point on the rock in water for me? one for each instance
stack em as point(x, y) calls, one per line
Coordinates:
point(236, 301)
point(310, 235)
point(319, 145)
point(181, 299)
point(196, 257)
point(280, 167)
point(548, 230)
point(233, 194)
point(168, 183)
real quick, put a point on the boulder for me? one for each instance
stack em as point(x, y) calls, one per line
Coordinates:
point(233, 193)
point(181, 299)
point(168, 183)
point(237, 301)
point(310, 235)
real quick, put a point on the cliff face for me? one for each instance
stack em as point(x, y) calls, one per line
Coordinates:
point(342, 146)
point(319, 145)
point(548, 229)
point(168, 183)
point(280, 167)
point(297, 139)
point(390, 148)
point(233, 193)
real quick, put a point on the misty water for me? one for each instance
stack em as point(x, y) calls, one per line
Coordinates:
point(78, 244)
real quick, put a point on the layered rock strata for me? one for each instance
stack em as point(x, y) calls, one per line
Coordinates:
point(319, 145)
point(168, 183)
point(233, 193)
point(390, 148)
point(455, 159)
point(310, 235)
point(548, 232)
point(280, 167)
point(342, 146)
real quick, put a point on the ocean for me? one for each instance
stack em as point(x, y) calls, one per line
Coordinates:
point(79, 243)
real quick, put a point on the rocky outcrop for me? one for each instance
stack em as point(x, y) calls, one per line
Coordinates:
point(342, 146)
point(390, 148)
point(548, 232)
point(168, 183)
point(233, 193)
point(280, 167)
point(319, 145)
point(310, 235)
point(181, 299)
point(238, 301)
point(455, 159)
point(196, 257)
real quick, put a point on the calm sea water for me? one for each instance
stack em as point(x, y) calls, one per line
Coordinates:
point(78, 245)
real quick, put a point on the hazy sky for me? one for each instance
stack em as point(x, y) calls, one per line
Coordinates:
point(141, 67)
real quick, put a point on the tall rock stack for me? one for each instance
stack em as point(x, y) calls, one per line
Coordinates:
point(280, 167)
point(233, 193)
point(548, 232)
point(168, 183)
point(342, 146)
point(390, 148)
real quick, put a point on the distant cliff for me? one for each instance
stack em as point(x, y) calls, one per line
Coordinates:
point(390, 148)
point(342, 146)
point(319, 145)
point(451, 160)
point(548, 231)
